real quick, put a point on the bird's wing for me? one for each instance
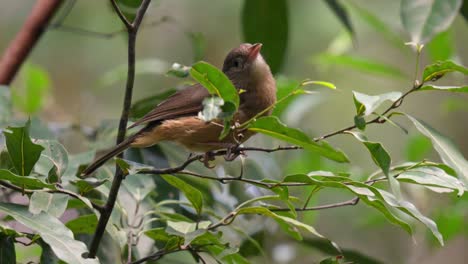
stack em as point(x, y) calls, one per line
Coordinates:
point(185, 102)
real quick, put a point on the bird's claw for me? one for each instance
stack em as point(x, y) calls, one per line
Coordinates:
point(207, 157)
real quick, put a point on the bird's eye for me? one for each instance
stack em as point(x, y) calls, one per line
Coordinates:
point(237, 63)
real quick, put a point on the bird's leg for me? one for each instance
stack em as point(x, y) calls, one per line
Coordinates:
point(207, 157)
point(232, 152)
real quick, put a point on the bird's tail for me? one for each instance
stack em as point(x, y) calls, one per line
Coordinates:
point(110, 154)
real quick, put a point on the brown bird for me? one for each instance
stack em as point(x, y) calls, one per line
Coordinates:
point(176, 119)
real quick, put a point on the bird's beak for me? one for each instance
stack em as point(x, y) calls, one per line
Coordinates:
point(254, 51)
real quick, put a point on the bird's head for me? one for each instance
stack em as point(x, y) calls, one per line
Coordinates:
point(246, 64)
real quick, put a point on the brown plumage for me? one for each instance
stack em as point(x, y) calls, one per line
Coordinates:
point(176, 118)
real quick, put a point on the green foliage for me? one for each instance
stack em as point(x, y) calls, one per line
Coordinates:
point(448, 151)
point(215, 82)
point(52, 231)
point(51, 203)
point(381, 158)
point(23, 152)
point(273, 127)
point(437, 70)
point(267, 22)
point(424, 19)
point(193, 195)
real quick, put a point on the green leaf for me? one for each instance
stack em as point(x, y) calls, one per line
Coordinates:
point(267, 22)
point(5, 106)
point(282, 220)
point(367, 104)
point(437, 70)
point(321, 83)
point(193, 195)
point(54, 204)
point(462, 89)
point(158, 234)
point(52, 231)
point(143, 106)
point(188, 230)
point(24, 181)
point(215, 82)
point(448, 151)
point(434, 178)
point(412, 211)
point(342, 14)
point(368, 194)
point(23, 152)
point(381, 158)
point(360, 122)
point(425, 18)
point(54, 159)
point(273, 127)
point(129, 8)
point(86, 185)
point(7, 249)
point(211, 108)
point(361, 64)
point(30, 99)
point(84, 224)
point(442, 47)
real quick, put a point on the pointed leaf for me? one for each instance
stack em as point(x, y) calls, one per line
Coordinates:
point(54, 159)
point(52, 231)
point(215, 82)
point(437, 70)
point(24, 181)
point(53, 203)
point(368, 194)
point(84, 224)
point(193, 195)
point(273, 127)
point(23, 152)
point(448, 151)
point(423, 19)
point(461, 89)
point(367, 104)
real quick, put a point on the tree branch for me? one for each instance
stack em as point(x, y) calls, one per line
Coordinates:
point(119, 176)
point(63, 191)
point(27, 37)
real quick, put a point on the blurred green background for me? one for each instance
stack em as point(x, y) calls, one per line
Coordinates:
point(80, 94)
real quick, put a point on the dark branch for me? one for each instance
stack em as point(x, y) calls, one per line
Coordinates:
point(63, 191)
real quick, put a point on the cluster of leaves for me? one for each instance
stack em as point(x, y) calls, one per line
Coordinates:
point(41, 168)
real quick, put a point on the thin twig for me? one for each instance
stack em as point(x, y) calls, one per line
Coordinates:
point(63, 191)
point(157, 255)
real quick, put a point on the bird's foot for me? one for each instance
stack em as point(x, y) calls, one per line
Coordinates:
point(207, 157)
point(232, 152)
